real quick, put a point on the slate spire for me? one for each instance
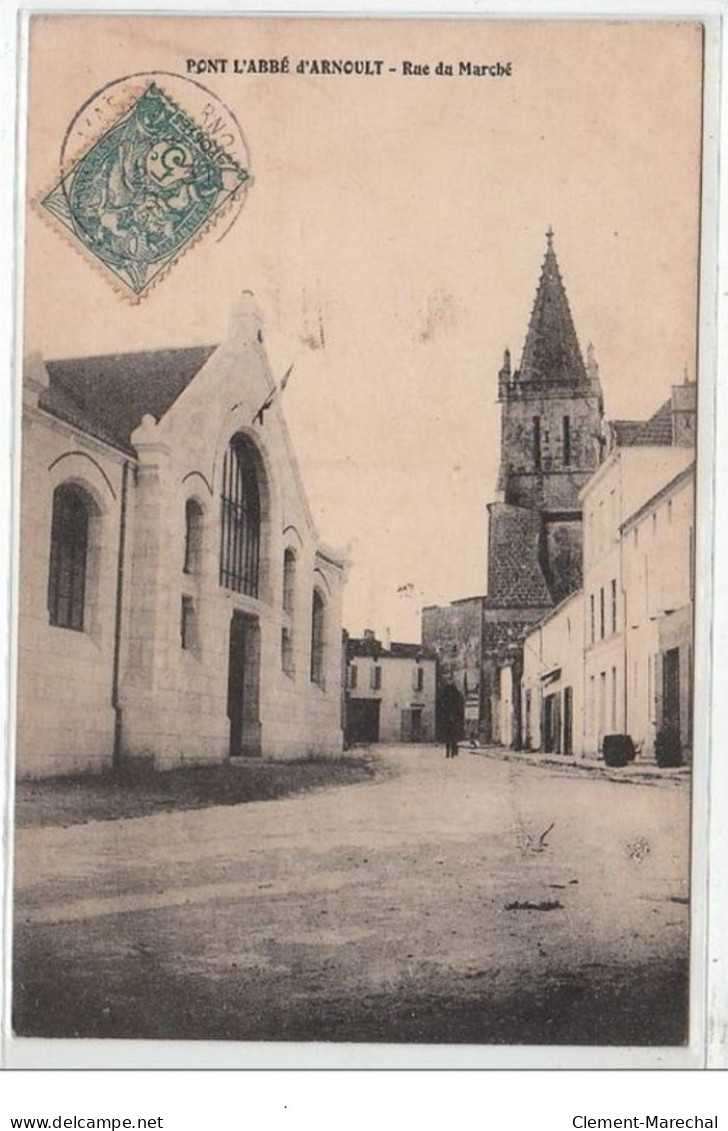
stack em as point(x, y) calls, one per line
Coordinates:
point(551, 351)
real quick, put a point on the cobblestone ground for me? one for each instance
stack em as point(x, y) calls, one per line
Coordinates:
point(470, 900)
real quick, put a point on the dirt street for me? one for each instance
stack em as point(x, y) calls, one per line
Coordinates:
point(469, 900)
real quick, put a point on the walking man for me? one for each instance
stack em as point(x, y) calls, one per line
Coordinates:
point(451, 714)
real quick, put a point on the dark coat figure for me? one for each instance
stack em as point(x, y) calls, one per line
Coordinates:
point(451, 718)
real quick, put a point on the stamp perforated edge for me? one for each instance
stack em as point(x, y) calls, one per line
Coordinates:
point(96, 264)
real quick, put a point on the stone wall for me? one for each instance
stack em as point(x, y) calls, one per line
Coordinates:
point(65, 718)
point(555, 484)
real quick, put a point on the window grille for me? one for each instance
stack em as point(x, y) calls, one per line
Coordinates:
point(240, 545)
point(68, 557)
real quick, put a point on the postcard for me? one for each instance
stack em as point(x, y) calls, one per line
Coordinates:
point(359, 715)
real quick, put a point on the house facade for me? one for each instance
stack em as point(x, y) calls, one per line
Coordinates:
point(552, 688)
point(176, 605)
point(390, 692)
point(628, 478)
point(616, 657)
point(659, 577)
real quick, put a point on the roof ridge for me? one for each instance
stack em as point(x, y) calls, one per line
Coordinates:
point(109, 395)
point(87, 359)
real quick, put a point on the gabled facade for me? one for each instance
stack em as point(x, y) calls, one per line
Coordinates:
point(176, 605)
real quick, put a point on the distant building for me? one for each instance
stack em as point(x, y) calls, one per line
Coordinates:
point(176, 605)
point(454, 633)
point(390, 692)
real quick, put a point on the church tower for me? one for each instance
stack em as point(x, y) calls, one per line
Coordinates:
point(551, 437)
point(551, 444)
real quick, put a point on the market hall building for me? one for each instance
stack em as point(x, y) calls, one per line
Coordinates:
point(175, 603)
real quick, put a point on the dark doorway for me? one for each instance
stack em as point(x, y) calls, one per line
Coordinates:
point(551, 725)
point(527, 736)
point(363, 720)
point(568, 720)
point(412, 730)
point(243, 697)
point(671, 690)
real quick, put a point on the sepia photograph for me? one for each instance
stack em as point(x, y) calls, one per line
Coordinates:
point(355, 601)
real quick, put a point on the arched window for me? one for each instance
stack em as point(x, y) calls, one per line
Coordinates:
point(289, 581)
point(318, 615)
point(240, 545)
point(289, 601)
point(68, 556)
point(193, 536)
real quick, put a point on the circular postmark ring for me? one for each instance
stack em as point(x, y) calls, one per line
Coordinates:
point(218, 120)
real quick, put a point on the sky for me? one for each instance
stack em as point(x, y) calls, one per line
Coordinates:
point(393, 237)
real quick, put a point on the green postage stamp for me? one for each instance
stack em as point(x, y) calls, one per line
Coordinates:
point(153, 182)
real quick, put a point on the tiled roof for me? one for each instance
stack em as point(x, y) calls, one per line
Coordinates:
point(515, 576)
point(108, 396)
point(644, 433)
point(405, 651)
point(370, 646)
point(551, 351)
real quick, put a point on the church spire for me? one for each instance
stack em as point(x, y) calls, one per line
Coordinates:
point(551, 351)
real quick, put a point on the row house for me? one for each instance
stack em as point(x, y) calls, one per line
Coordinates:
point(658, 558)
point(553, 681)
point(639, 467)
point(616, 657)
point(390, 692)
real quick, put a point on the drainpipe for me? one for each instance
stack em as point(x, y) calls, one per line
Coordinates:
point(116, 752)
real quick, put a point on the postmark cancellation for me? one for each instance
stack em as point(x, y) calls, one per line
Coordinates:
point(151, 184)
